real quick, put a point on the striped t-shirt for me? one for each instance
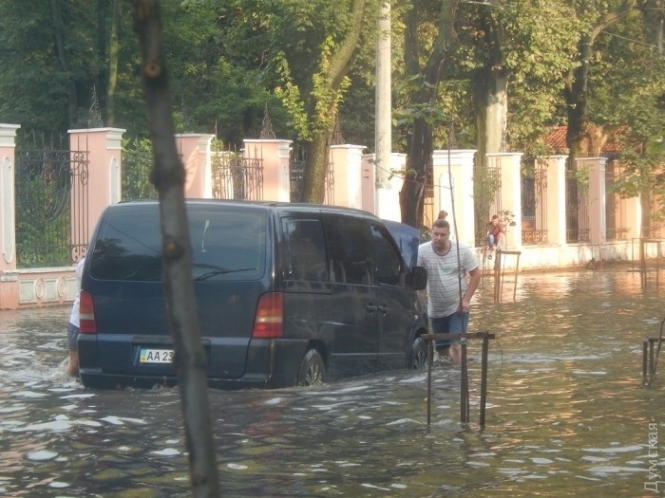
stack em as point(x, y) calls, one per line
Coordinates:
point(443, 276)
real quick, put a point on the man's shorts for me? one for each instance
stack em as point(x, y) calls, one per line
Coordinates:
point(72, 335)
point(452, 324)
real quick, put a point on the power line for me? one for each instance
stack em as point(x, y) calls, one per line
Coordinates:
point(639, 42)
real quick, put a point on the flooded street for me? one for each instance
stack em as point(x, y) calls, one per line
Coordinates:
point(567, 414)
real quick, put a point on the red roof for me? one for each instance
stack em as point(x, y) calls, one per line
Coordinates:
point(557, 140)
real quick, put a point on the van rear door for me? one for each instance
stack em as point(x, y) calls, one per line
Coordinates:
point(229, 271)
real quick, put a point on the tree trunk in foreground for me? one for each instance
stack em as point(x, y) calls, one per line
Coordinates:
point(168, 175)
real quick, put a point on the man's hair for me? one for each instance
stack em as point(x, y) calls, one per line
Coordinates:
point(495, 217)
point(441, 223)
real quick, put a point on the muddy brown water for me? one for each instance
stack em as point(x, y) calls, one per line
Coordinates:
point(567, 413)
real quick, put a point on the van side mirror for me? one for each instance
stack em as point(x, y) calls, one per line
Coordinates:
point(419, 278)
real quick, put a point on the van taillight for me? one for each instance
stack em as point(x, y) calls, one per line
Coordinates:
point(268, 319)
point(88, 325)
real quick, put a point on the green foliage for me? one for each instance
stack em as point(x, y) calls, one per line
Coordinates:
point(298, 41)
point(581, 174)
point(626, 88)
point(486, 185)
point(228, 59)
point(533, 45)
point(137, 161)
point(507, 218)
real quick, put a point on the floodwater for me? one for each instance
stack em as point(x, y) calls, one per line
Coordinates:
point(567, 413)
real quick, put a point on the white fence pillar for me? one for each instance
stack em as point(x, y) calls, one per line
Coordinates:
point(194, 150)
point(597, 198)
point(8, 283)
point(455, 185)
point(347, 165)
point(556, 199)
point(98, 152)
point(275, 156)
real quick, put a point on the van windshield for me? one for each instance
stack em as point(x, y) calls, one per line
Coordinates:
point(227, 244)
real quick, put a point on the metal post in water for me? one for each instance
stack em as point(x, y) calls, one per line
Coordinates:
point(430, 359)
point(517, 269)
point(483, 379)
point(645, 345)
point(651, 361)
point(657, 262)
point(643, 263)
point(464, 389)
point(497, 276)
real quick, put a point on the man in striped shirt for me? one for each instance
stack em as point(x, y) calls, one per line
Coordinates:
point(449, 292)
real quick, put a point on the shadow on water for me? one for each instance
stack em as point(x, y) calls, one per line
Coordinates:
point(567, 415)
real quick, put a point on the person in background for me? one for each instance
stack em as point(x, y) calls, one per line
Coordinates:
point(446, 284)
point(495, 235)
point(443, 215)
point(74, 324)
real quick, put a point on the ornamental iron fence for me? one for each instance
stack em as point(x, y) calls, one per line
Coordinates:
point(534, 202)
point(577, 205)
point(51, 185)
point(236, 177)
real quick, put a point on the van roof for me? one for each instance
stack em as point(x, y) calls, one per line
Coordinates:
point(279, 206)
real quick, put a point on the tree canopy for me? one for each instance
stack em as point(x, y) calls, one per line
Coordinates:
point(498, 73)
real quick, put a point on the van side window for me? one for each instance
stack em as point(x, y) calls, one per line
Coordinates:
point(306, 255)
point(388, 262)
point(227, 245)
point(350, 246)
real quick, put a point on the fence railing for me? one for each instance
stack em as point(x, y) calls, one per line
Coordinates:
point(46, 213)
point(236, 177)
point(136, 168)
point(577, 208)
point(534, 203)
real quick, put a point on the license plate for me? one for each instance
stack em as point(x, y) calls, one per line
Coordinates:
point(156, 356)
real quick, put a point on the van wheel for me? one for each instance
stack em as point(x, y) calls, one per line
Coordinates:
point(418, 358)
point(312, 369)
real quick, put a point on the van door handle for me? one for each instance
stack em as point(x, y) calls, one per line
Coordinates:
point(383, 309)
point(371, 307)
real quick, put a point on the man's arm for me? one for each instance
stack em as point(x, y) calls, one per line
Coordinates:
point(474, 281)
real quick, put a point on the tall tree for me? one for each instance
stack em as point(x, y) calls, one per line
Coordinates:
point(113, 61)
point(528, 46)
point(49, 69)
point(328, 89)
point(307, 48)
point(628, 98)
point(597, 18)
point(425, 63)
point(490, 81)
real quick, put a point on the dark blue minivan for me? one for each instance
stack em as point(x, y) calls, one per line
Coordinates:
point(287, 294)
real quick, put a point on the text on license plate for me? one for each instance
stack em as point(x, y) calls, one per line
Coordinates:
point(156, 356)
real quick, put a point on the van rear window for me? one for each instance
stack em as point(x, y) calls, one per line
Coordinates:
point(228, 244)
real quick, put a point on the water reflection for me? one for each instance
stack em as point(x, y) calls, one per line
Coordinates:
point(567, 415)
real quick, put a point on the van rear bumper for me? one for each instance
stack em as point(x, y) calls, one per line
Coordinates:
point(270, 363)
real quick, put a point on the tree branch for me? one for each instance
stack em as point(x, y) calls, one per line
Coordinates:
point(611, 17)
